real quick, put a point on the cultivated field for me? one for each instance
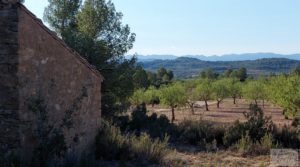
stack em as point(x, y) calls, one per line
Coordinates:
point(226, 114)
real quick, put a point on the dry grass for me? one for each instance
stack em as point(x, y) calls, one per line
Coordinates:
point(226, 114)
point(186, 157)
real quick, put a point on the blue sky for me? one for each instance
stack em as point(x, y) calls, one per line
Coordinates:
point(208, 27)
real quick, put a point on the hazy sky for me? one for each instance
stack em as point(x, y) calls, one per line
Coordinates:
point(189, 27)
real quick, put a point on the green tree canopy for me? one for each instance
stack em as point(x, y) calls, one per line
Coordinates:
point(173, 96)
point(205, 91)
point(255, 90)
point(220, 90)
point(235, 88)
point(96, 32)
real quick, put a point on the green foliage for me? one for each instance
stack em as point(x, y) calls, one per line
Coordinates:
point(257, 125)
point(153, 150)
point(220, 90)
point(205, 91)
point(287, 137)
point(255, 90)
point(161, 77)
point(245, 143)
point(187, 68)
point(235, 88)
point(285, 92)
point(199, 133)
point(191, 93)
point(173, 96)
point(111, 144)
point(208, 74)
point(96, 32)
point(246, 146)
point(140, 78)
point(138, 97)
point(152, 95)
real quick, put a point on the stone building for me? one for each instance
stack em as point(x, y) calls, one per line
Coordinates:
point(46, 88)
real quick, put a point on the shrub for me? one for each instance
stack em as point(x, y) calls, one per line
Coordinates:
point(256, 125)
point(111, 144)
point(199, 133)
point(287, 137)
point(246, 146)
point(153, 125)
point(154, 150)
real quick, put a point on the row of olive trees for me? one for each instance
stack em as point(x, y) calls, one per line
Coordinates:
point(188, 93)
point(281, 90)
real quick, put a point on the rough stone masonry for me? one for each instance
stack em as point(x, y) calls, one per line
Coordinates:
point(44, 85)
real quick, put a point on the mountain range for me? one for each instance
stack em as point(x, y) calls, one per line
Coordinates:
point(227, 57)
point(186, 67)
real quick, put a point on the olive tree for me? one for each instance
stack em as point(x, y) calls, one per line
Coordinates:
point(173, 96)
point(235, 88)
point(255, 90)
point(205, 91)
point(191, 94)
point(220, 91)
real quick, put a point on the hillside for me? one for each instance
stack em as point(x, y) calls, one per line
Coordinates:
point(226, 57)
point(184, 67)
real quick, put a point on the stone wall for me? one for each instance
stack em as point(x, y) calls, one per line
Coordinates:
point(9, 104)
point(56, 89)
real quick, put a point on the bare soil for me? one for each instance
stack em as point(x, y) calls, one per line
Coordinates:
point(226, 114)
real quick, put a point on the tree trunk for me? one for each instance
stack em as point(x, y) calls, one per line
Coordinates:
point(206, 105)
point(255, 102)
point(218, 104)
point(192, 109)
point(234, 101)
point(173, 115)
point(152, 105)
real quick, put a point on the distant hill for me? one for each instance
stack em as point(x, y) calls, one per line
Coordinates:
point(228, 57)
point(185, 67)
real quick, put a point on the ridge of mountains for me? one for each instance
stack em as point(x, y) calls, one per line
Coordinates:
point(187, 67)
point(227, 57)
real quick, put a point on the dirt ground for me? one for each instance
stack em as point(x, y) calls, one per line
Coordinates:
point(184, 156)
point(226, 114)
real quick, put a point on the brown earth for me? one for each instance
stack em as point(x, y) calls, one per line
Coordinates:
point(226, 114)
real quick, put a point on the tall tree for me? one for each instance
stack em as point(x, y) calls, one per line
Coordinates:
point(140, 78)
point(95, 30)
point(242, 74)
point(61, 16)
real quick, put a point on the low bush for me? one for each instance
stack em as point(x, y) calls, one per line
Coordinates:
point(257, 126)
point(153, 150)
point(111, 144)
point(246, 146)
point(287, 137)
point(140, 123)
point(200, 133)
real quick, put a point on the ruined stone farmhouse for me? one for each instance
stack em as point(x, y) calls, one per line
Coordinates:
point(44, 85)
